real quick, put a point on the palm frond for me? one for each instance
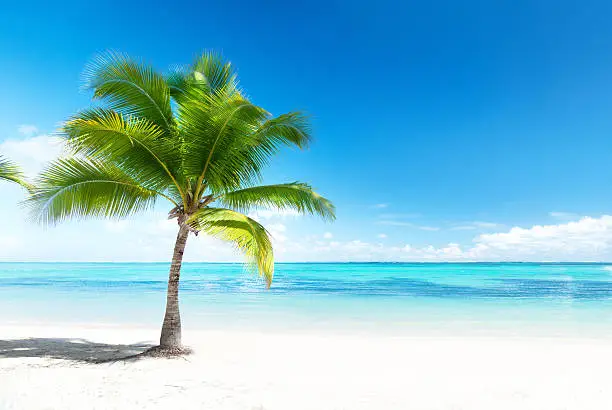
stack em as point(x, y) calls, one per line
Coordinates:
point(210, 74)
point(216, 133)
point(134, 144)
point(250, 237)
point(227, 140)
point(9, 171)
point(130, 87)
point(291, 129)
point(179, 82)
point(297, 196)
point(211, 70)
point(78, 188)
point(249, 148)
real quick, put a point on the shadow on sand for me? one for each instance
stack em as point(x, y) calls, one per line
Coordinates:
point(79, 350)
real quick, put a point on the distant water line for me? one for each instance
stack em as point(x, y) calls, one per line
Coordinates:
point(486, 298)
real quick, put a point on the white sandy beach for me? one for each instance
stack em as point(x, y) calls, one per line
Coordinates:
point(276, 371)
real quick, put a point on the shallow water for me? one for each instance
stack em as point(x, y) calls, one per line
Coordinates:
point(483, 298)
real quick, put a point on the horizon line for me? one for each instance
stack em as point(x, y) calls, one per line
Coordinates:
point(336, 262)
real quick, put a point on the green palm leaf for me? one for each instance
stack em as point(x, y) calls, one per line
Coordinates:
point(215, 73)
point(130, 87)
point(78, 188)
point(216, 135)
point(245, 233)
point(228, 141)
point(9, 171)
point(249, 150)
point(133, 144)
point(296, 196)
point(209, 74)
point(180, 82)
point(291, 129)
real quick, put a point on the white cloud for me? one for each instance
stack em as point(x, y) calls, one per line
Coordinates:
point(380, 206)
point(429, 228)
point(27, 130)
point(564, 216)
point(486, 225)
point(278, 232)
point(10, 243)
point(587, 239)
point(32, 153)
point(266, 214)
point(391, 222)
point(395, 223)
point(476, 225)
point(463, 228)
point(358, 251)
point(150, 237)
point(160, 225)
point(116, 226)
point(328, 235)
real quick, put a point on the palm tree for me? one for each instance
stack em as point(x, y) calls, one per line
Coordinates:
point(9, 171)
point(191, 138)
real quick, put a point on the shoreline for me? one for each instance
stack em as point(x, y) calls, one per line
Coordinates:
point(441, 330)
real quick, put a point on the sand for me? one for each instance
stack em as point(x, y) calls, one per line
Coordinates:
point(47, 367)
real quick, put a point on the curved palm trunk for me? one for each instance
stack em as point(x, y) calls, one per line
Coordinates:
point(171, 329)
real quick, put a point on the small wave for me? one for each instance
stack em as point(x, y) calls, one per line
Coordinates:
point(607, 268)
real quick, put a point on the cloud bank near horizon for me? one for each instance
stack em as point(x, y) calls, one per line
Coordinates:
point(150, 237)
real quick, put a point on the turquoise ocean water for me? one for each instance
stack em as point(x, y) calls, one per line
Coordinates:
point(510, 299)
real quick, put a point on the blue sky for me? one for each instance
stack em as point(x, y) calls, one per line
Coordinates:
point(436, 122)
